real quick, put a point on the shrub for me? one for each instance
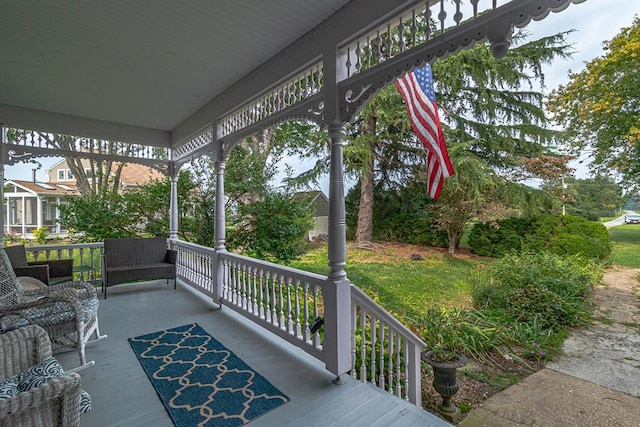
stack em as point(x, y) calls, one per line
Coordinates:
point(40, 235)
point(399, 215)
point(469, 332)
point(410, 228)
point(274, 228)
point(562, 235)
point(577, 236)
point(539, 288)
point(497, 239)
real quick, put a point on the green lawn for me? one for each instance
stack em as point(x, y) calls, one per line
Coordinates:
point(401, 285)
point(437, 281)
point(626, 245)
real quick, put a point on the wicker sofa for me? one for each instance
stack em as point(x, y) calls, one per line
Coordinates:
point(34, 390)
point(136, 259)
point(48, 272)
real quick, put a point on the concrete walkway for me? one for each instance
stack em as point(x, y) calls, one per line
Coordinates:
point(551, 398)
point(596, 382)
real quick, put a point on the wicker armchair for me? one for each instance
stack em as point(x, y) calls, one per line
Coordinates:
point(48, 399)
point(51, 271)
point(68, 311)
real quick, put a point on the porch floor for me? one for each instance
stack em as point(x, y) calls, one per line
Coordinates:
point(123, 396)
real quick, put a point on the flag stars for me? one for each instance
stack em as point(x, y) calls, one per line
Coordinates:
point(425, 80)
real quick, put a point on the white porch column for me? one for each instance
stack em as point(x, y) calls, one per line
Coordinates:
point(23, 216)
point(39, 212)
point(6, 220)
point(173, 209)
point(220, 224)
point(337, 296)
point(337, 223)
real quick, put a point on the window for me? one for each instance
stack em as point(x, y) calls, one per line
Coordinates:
point(69, 174)
point(88, 173)
point(60, 174)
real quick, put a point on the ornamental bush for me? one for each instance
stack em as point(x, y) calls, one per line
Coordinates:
point(273, 228)
point(540, 288)
point(558, 234)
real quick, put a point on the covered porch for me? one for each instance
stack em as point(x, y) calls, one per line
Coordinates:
point(123, 396)
point(180, 80)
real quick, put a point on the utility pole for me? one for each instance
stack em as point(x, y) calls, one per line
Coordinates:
point(564, 186)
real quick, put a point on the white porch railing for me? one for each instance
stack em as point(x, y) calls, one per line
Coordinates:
point(384, 352)
point(285, 301)
point(196, 266)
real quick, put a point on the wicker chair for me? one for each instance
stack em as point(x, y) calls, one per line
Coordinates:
point(50, 271)
point(51, 399)
point(68, 311)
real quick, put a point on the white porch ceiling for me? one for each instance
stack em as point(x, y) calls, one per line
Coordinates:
point(159, 72)
point(149, 64)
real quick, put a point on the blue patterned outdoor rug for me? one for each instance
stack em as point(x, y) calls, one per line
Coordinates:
point(200, 382)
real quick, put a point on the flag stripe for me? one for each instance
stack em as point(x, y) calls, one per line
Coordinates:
point(417, 91)
point(434, 176)
point(420, 117)
point(424, 119)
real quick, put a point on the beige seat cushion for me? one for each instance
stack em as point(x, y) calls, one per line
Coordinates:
point(30, 283)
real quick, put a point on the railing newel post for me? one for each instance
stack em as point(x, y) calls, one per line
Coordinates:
point(414, 392)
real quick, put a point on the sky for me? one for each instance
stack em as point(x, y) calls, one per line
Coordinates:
point(594, 21)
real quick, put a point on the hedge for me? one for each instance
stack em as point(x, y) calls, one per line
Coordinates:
point(558, 234)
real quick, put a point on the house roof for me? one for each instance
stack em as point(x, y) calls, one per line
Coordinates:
point(45, 188)
point(313, 195)
point(319, 201)
point(132, 173)
point(135, 174)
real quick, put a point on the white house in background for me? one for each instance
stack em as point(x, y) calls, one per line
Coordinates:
point(29, 205)
point(320, 212)
point(132, 175)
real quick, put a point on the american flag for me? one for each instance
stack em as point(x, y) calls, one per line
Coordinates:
point(417, 90)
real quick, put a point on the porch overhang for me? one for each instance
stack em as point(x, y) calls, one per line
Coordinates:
point(164, 75)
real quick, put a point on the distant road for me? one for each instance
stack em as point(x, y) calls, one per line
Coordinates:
point(614, 222)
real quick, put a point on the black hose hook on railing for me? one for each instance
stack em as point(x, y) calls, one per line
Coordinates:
point(316, 325)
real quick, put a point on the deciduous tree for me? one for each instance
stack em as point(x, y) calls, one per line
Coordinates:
point(600, 106)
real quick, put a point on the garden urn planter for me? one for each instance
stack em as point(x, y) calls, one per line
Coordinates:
point(444, 364)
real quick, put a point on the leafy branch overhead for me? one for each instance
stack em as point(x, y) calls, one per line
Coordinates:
point(599, 108)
